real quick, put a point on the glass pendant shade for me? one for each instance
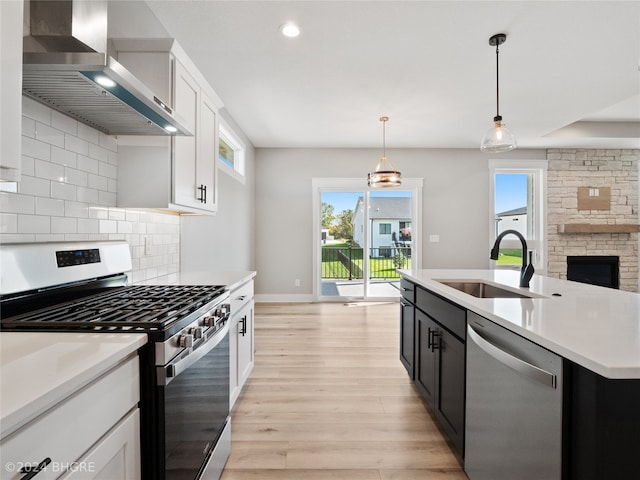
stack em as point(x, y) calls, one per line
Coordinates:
point(498, 139)
point(385, 174)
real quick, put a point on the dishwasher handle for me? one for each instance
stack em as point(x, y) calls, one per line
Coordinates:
point(524, 368)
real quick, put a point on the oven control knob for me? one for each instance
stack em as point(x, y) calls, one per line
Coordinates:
point(223, 311)
point(196, 332)
point(185, 341)
point(209, 321)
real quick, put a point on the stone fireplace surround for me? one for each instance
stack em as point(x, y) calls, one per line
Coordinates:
point(612, 231)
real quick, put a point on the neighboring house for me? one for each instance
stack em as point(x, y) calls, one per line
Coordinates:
point(515, 219)
point(390, 223)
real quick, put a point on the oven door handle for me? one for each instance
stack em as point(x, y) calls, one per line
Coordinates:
point(172, 370)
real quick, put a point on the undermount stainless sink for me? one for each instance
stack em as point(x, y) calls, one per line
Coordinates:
point(484, 290)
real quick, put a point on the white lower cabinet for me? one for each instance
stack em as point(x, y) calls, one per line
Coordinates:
point(93, 433)
point(241, 339)
point(116, 456)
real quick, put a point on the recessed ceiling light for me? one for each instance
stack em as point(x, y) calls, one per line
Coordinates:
point(290, 30)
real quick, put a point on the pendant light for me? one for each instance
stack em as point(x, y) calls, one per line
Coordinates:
point(385, 174)
point(499, 138)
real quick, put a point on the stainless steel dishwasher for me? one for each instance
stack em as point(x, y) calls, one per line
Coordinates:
point(514, 406)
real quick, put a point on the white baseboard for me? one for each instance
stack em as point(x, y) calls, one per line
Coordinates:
point(283, 298)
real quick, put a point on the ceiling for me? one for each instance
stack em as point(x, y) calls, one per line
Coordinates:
point(569, 71)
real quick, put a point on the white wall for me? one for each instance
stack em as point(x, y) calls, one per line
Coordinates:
point(455, 207)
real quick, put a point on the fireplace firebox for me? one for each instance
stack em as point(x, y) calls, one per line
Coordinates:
point(599, 270)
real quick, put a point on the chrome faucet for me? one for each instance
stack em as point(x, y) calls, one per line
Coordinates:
point(526, 272)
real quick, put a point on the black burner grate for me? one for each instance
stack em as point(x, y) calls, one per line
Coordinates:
point(138, 307)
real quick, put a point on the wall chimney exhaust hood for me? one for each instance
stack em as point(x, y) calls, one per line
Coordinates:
point(65, 66)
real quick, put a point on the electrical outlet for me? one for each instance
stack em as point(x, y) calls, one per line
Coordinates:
point(297, 282)
point(147, 245)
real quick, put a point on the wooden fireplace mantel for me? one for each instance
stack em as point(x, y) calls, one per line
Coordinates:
point(598, 228)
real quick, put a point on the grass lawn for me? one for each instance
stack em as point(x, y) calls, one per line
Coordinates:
point(509, 256)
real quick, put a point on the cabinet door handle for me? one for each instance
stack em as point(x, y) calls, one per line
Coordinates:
point(433, 339)
point(404, 304)
point(524, 368)
point(32, 471)
point(203, 193)
point(243, 329)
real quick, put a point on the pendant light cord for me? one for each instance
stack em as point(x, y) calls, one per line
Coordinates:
point(497, 82)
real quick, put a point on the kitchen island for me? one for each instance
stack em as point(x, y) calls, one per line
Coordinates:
point(580, 422)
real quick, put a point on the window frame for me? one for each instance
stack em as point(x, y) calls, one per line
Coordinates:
point(538, 169)
point(226, 133)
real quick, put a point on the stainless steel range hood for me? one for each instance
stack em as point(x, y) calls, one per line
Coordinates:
point(65, 66)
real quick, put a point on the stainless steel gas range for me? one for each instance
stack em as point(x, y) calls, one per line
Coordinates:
point(184, 368)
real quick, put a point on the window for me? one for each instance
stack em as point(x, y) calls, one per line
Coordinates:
point(231, 152)
point(518, 202)
point(385, 229)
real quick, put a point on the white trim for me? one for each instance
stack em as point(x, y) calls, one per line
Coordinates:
point(319, 185)
point(282, 298)
point(539, 169)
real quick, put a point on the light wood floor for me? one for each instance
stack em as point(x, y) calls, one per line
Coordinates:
point(329, 399)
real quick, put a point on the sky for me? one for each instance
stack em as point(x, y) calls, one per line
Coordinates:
point(511, 192)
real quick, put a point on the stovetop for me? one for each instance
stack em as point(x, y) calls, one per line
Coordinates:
point(137, 308)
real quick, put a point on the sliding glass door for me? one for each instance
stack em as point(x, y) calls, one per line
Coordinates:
point(363, 236)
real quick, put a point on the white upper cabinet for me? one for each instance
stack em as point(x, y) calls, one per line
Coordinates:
point(11, 12)
point(179, 173)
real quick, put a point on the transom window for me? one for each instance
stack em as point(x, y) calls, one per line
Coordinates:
point(231, 152)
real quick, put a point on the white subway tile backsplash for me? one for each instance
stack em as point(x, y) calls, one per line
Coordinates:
point(108, 226)
point(15, 203)
point(89, 165)
point(64, 123)
point(99, 153)
point(49, 135)
point(107, 170)
point(117, 214)
point(64, 225)
point(49, 171)
point(8, 223)
point(28, 165)
point(109, 142)
point(50, 237)
point(34, 224)
point(82, 205)
point(88, 195)
point(88, 225)
point(36, 110)
point(91, 135)
point(64, 157)
point(64, 191)
point(76, 209)
point(97, 182)
point(49, 206)
point(107, 198)
point(35, 148)
point(76, 177)
point(76, 144)
point(28, 127)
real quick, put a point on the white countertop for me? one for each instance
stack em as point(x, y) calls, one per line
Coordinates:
point(39, 369)
point(230, 279)
point(596, 327)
